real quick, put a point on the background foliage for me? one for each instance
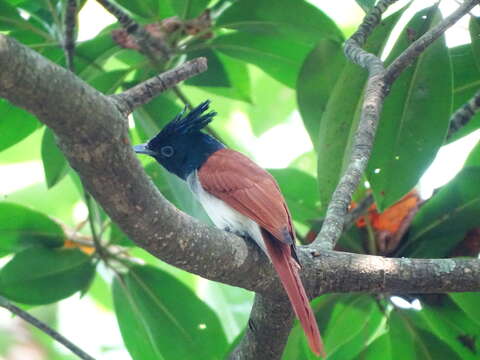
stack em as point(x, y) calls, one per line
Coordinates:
point(265, 65)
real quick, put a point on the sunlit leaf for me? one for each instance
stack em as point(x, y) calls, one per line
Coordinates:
point(160, 318)
point(15, 124)
point(188, 9)
point(40, 275)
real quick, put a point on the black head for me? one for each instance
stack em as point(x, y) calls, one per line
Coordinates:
point(181, 147)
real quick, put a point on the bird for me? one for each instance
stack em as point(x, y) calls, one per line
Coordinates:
point(239, 196)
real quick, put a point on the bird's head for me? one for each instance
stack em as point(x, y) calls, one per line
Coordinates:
point(180, 147)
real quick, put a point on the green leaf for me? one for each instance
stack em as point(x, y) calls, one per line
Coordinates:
point(444, 219)
point(468, 302)
point(54, 163)
point(404, 146)
point(473, 158)
point(366, 5)
point(270, 38)
point(21, 227)
point(39, 276)
point(379, 349)
point(118, 237)
point(15, 124)
point(281, 58)
point(160, 318)
point(238, 78)
point(315, 83)
point(301, 192)
point(466, 81)
point(188, 9)
point(450, 325)
point(91, 54)
point(349, 318)
point(148, 9)
point(216, 74)
point(339, 120)
point(231, 304)
point(109, 82)
point(259, 16)
point(411, 342)
point(474, 28)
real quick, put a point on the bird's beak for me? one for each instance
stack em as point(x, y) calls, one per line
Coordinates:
point(142, 149)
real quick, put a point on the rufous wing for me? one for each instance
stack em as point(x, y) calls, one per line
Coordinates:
point(253, 192)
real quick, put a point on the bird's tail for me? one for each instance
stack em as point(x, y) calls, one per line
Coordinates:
point(287, 269)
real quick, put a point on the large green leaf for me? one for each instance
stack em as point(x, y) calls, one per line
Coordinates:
point(40, 275)
point(160, 318)
point(466, 82)
point(215, 76)
point(21, 227)
point(468, 302)
point(349, 319)
point(54, 163)
point(269, 37)
point(443, 221)
point(15, 124)
point(339, 118)
point(451, 325)
point(301, 192)
point(281, 58)
point(408, 341)
point(316, 81)
point(379, 349)
point(474, 28)
point(188, 9)
point(238, 78)
point(415, 116)
point(307, 26)
point(148, 9)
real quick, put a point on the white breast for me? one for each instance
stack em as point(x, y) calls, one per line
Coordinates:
point(224, 216)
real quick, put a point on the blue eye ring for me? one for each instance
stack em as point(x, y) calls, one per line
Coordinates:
point(167, 151)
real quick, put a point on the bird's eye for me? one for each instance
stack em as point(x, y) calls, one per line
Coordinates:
point(166, 151)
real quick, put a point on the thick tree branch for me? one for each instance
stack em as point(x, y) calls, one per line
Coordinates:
point(267, 333)
point(45, 328)
point(345, 272)
point(147, 90)
point(462, 116)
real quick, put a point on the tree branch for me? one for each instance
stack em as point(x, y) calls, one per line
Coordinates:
point(462, 116)
point(147, 90)
point(345, 272)
point(70, 21)
point(372, 105)
point(45, 328)
point(268, 328)
point(378, 84)
point(417, 47)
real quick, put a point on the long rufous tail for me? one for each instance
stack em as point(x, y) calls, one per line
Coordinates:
point(287, 270)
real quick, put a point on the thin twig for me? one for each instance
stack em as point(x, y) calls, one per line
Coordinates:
point(93, 230)
point(145, 91)
point(45, 328)
point(154, 47)
point(462, 116)
point(372, 104)
point(417, 47)
point(70, 21)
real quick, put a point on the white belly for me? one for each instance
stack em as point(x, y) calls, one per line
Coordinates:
point(222, 215)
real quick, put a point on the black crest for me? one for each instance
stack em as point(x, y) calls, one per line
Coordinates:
point(194, 121)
